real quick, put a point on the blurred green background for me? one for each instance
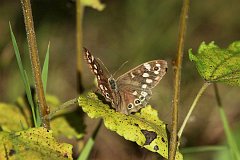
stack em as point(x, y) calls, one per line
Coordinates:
point(133, 31)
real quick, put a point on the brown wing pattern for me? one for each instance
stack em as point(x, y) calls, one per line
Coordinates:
point(135, 85)
point(102, 79)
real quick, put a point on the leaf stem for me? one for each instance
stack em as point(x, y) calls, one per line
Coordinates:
point(177, 78)
point(33, 51)
point(79, 37)
point(230, 139)
point(62, 106)
point(204, 87)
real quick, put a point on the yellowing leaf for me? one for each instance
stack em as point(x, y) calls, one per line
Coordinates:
point(65, 123)
point(96, 4)
point(215, 64)
point(11, 118)
point(144, 128)
point(34, 143)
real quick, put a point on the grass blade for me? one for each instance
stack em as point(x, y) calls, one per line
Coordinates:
point(89, 145)
point(45, 70)
point(87, 149)
point(23, 75)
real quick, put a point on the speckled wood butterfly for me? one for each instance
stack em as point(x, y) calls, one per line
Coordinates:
point(132, 90)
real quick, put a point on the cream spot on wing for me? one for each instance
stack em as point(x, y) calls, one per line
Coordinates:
point(98, 77)
point(149, 80)
point(147, 66)
point(156, 72)
point(144, 86)
point(95, 71)
point(95, 66)
point(92, 58)
point(144, 93)
point(89, 61)
point(132, 75)
point(158, 65)
point(145, 75)
point(101, 86)
point(105, 88)
point(134, 93)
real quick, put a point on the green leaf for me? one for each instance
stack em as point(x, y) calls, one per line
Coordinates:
point(215, 64)
point(45, 70)
point(96, 4)
point(34, 143)
point(144, 128)
point(23, 75)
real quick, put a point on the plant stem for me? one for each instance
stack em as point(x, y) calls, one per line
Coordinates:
point(35, 64)
point(230, 139)
point(204, 87)
point(79, 37)
point(177, 78)
point(62, 106)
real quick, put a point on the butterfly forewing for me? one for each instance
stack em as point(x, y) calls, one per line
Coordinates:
point(135, 85)
point(102, 79)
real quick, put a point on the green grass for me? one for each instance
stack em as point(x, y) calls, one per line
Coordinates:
point(24, 78)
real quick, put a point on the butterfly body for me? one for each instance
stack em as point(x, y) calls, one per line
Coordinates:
point(132, 90)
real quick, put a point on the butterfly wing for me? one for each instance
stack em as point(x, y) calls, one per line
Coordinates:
point(102, 79)
point(134, 87)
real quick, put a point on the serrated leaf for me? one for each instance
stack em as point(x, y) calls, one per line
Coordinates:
point(144, 128)
point(34, 143)
point(96, 4)
point(215, 64)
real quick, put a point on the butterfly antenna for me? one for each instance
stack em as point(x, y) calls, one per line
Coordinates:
point(120, 67)
point(104, 66)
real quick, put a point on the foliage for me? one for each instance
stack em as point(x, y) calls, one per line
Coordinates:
point(218, 65)
point(144, 128)
point(34, 143)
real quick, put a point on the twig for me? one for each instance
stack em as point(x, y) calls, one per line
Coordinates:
point(79, 37)
point(204, 87)
point(33, 51)
point(177, 79)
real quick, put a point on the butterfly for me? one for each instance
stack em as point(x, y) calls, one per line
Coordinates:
point(132, 90)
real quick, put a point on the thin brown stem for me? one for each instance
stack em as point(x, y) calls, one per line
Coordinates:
point(79, 37)
point(177, 78)
point(33, 51)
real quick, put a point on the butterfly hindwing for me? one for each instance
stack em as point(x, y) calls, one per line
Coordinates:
point(133, 99)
